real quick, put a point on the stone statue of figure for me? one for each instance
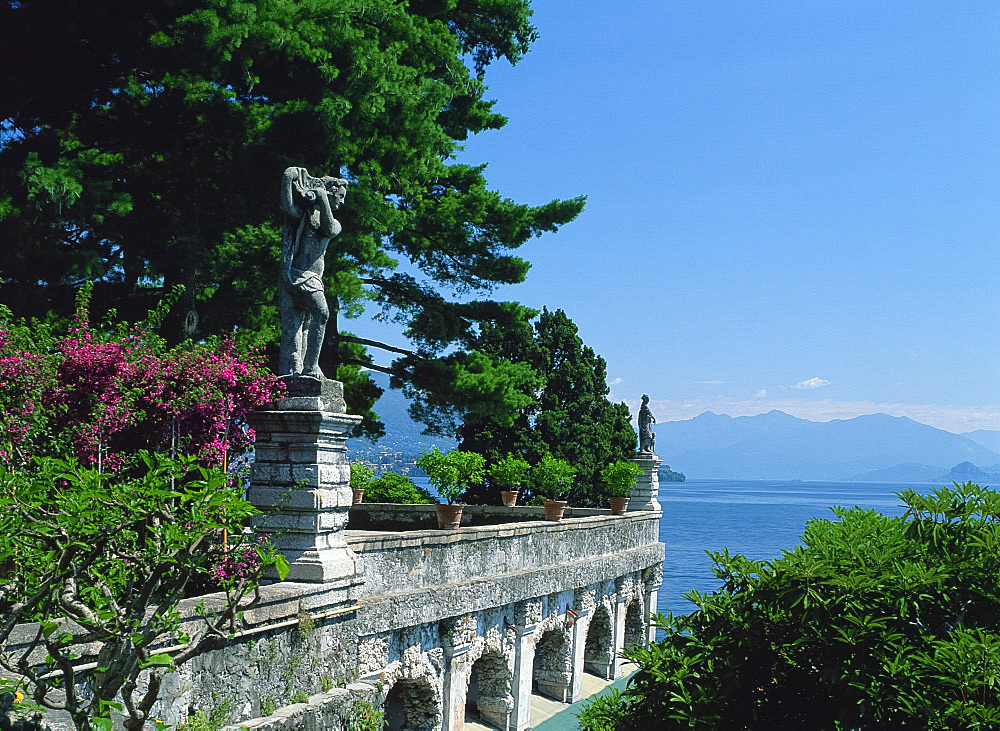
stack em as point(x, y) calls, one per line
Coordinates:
point(308, 204)
point(646, 421)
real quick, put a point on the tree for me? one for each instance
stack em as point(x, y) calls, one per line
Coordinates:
point(567, 413)
point(142, 145)
point(105, 558)
point(452, 474)
point(873, 622)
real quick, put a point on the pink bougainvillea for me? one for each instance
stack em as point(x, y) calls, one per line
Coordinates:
point(103, 396)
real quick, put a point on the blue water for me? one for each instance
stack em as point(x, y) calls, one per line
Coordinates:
point(757, 518)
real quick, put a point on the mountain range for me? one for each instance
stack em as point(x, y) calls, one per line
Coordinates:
point(775, 445)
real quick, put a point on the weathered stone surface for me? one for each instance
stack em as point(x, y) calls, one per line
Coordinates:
point(644, 495)
point(308, 393)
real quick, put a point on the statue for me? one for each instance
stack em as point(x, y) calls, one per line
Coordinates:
point(308, 204)
point(646, 421)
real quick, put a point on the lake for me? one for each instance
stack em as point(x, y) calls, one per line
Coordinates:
point(757, 518)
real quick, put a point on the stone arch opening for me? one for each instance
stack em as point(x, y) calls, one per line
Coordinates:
point(488, 696)
point(635, 627)
point(599, 649)
point(412, 705)
point(552, 670)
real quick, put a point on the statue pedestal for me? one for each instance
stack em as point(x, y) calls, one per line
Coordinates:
point(647, 488)
point(305, 393)
point(301, 480)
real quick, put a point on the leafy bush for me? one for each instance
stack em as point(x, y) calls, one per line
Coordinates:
point(361, 476)
point(103, 393)
point(451, 474)
point(509, 472)
point(873, 622)
point(393, 487)
point(104, 558)
point(620, 477)
point(553, 476)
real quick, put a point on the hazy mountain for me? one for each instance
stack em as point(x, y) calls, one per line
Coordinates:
point(907, 472)
point(402, 434)
point(778, 446)
point(989, 438)
point(968, 472)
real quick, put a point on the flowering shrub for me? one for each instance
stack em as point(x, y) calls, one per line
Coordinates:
point(101, 394)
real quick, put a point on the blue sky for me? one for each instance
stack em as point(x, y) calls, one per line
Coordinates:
point(790, 205)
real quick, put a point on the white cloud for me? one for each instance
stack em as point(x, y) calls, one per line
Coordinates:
point(762, 393)
point(950, 417)
point(811, 383)
point(709, 383)
point(615, 381)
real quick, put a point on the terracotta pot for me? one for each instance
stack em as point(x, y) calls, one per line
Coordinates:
point(509, 498)
point(618, 505)
point(358, 494)
point(449, 516)
point(554, 509)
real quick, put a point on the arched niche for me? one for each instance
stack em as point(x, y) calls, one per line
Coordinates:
point(488, 697)
point(552, 670)
point(412, 704)
point(635, 625)
point(599, 649)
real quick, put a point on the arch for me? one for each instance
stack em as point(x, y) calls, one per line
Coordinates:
point(412, 704)
point(487, 695)
point(599, 649)
point(635, 626)
point(552, 670)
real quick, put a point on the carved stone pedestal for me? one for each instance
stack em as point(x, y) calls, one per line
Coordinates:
point(301, 480)
point(647, 488)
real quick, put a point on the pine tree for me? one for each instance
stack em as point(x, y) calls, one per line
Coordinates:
point(143, 143)
point(569, 417)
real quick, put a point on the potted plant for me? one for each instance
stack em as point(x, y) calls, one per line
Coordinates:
point(509, 473)
point(620, 478)
point(361, 477)
point(554, 477)
point(451, 474)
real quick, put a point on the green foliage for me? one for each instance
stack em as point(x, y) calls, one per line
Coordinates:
point(568, 414)
point(361, 476)
point(300, 697)
point(620, 477)
point(873, 622)
point(669, 475)
point(393, 487)
point(453, 473)
point(105, 558)
point(509, 472)
point(155, 163)
point(366, 717)
point(325, 683)
point(553, 476)
point(267, 706)
point(304, 628)
point(216, 718)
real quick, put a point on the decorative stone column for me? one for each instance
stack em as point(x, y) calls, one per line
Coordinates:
point(301, 482)
point(652, 578)
point(526, 618)
point(456, 679)
point(647, 487)
point(618, 635)
point(578, 633)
